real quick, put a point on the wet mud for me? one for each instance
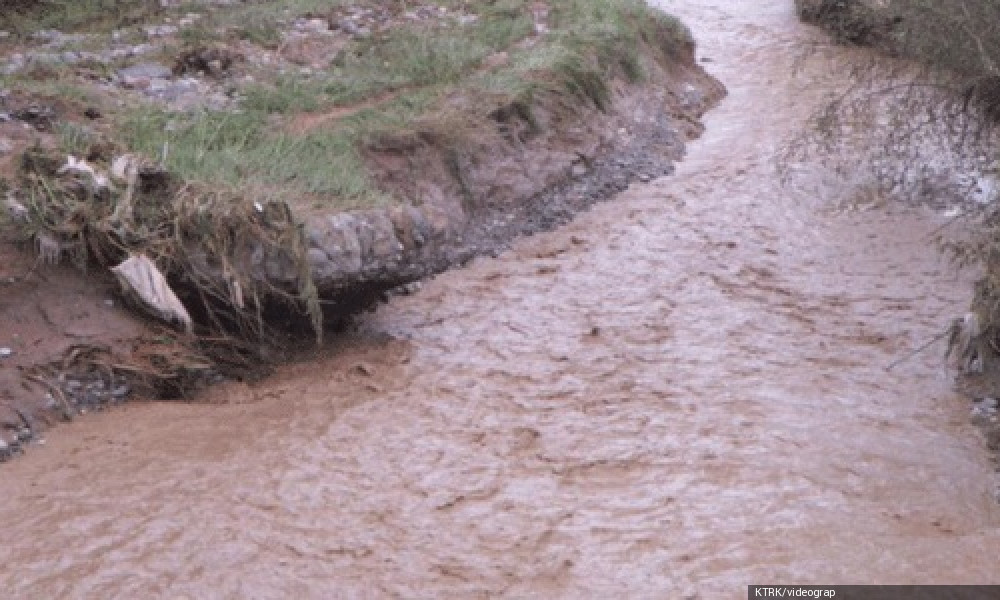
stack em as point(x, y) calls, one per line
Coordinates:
point(680, 392)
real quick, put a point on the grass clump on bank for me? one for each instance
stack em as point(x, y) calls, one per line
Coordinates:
point(27, 16)
point(396, 81)
point(238, 181)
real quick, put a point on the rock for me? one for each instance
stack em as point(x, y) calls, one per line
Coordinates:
point(128, 51)
point(159, 30)
point(6, 352)
point(411, 228)
point(148, 70)
point(48, 36)
point(692, 98)
point(6, 146)
point(348, 26)
point(140, 76)
point(188, 19)
point(339, 251)
point(408, 289)
point(384, 248)
point(316, 25)
point(15, 62)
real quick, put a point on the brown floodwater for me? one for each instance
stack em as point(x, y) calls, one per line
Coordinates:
point(681, 392)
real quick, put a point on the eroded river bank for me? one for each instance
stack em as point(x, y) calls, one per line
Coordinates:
point(681, 392)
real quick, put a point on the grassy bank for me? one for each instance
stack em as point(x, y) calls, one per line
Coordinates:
point(298, 135)
point(306, 89)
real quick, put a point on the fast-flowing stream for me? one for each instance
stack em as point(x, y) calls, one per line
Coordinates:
point(682, 392)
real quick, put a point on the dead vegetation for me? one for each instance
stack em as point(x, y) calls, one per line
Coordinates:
point(920, 122)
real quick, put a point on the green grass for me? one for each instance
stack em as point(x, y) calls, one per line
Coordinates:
point(402, 75)
point(240, 150)
point(27, 16)
point(75, 139)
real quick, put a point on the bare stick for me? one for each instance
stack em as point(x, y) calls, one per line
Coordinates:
point(912, 354)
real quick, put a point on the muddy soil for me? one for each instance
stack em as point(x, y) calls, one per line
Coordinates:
point(675, 395)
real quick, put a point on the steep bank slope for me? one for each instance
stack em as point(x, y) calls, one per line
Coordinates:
point(586, 99)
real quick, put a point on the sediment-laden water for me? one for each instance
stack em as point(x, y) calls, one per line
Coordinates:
point(682, 392)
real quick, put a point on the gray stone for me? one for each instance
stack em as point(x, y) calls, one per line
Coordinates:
point(349, 27)
point(6, 146)
point(320, 264)
point(692, 98)
point(366, 239)
point(145, 71)
point(45, 58)
point(159, 30)
point(278, 266)
point(317, 25)
point(129, 51)
point(48, 35)
point(411, 227)
point(336, 238)
point(15, 62)
point(385, 248)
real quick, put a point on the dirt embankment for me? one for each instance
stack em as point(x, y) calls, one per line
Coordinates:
point(531, 167)
point(73, 346)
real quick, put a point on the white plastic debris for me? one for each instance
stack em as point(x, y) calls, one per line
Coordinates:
point(140, 275)
point(76, 165)
point(124, 167)
point(79, 166)
point(6, 352)
point(16, 210)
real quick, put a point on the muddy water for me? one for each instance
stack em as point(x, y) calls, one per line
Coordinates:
point(682, 392)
